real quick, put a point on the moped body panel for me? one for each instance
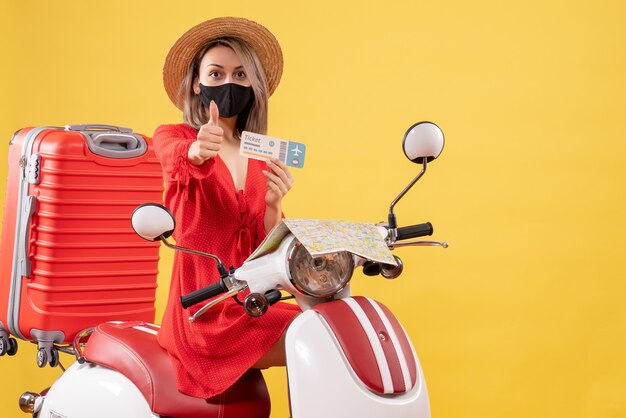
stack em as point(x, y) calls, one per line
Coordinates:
point(110, 392)
point(323, 382)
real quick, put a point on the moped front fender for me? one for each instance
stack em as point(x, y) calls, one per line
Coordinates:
point(323, 381)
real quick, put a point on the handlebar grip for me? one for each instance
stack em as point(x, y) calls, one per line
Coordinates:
point(273, 296)
point(371, 268)
point(414, 231)
point(203, 294)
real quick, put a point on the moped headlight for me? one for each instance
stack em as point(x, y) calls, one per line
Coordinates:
point(321, 276)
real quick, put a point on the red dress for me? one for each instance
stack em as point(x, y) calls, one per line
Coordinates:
point(210, 354)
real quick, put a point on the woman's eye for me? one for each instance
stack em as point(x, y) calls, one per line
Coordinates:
point(214, 74)
point(240, 74)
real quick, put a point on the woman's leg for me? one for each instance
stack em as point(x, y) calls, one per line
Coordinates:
point(275, 357)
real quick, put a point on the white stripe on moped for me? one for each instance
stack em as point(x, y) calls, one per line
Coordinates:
point(375, 343)
point(404, 366)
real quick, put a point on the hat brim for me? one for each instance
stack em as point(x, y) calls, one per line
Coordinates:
point(182, 53)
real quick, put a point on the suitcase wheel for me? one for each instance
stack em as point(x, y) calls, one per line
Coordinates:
point(42, 357)
point(54, 358)
point(12, 347)
point(47, 357)
point(8, 346)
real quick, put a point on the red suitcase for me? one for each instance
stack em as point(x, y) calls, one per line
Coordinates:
point(69, 256)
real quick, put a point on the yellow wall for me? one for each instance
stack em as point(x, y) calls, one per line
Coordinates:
point(524, 314)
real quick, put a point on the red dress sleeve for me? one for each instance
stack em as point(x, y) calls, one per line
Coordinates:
point(171, 144)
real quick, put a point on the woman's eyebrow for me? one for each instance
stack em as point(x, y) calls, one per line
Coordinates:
point(221, 66)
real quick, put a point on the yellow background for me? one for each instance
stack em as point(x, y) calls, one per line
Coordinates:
point(524, 315)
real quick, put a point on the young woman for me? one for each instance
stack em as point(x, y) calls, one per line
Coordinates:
point(220, 74)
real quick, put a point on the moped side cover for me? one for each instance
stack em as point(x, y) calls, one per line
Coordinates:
point(351, 357)
point(373, 342)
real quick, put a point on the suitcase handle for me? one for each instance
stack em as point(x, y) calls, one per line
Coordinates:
point(23, 259)
point(116, 145)
point(112, 141)
point(97, 127)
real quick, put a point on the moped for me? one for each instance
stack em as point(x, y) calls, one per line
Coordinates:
point(346, 356)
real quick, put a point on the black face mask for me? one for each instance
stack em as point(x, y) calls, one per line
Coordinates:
point(231, 99)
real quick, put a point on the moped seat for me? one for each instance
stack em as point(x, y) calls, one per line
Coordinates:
point(131, 348)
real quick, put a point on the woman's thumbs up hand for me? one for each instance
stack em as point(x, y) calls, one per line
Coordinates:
point(209, 139)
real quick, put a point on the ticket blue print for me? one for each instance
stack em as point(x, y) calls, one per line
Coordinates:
point(263, 147)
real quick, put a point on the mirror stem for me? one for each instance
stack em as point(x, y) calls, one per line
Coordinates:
point(220, 266)
point(393, 225)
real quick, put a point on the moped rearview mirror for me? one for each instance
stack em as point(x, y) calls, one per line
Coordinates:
point(153, 222)
point(423, 140)
point(422, 143)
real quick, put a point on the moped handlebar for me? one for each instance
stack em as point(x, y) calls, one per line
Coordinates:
point(203, 294)
point(414, 231)
point(218, 288)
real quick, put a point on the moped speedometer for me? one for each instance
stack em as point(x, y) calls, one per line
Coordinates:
point(320, 276)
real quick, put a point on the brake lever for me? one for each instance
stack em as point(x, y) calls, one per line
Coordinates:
point(232, 292)
point(419, 244)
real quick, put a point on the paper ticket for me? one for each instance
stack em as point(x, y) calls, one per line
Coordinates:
point(263, 147)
